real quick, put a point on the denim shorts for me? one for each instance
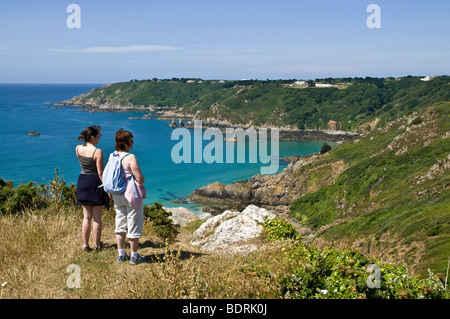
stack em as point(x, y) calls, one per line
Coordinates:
point(128, 219)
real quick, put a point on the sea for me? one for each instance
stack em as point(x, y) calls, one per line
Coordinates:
point(25, 158)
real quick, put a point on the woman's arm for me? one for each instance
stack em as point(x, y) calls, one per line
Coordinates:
point(99, 162)
point(131, 162)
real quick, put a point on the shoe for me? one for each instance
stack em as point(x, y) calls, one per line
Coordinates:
point(121, 259)
point(102, 245)
point(137, 260)
point(87, 248)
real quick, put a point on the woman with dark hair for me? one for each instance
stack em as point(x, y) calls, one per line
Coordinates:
point(129, 212)
point(89, 194)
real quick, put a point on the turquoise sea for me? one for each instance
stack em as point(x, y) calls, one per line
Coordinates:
point(25, 158)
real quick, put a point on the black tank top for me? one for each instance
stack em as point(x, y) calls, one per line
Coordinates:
point(88, 164)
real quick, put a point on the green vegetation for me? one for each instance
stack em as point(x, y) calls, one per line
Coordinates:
point(352, 102)
point(278, 228)
point(343, 274)
point(14, 200)
point(155, 93)
point(325, 148)
point(390, 202)
point(38, 245)
point(394, 193)
point(161, 223)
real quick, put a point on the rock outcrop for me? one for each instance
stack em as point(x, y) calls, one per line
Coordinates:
point(275, 192)
point(232, 232)
point(181, 215)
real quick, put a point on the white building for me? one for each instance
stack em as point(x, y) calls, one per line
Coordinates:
point(428, 78)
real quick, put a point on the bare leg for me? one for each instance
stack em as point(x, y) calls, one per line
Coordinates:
point(97, 228)
point(134, 243)
point(86, 225)
point(120, 238)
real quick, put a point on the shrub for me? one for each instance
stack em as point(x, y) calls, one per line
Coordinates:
point(325, 148)
point(24, 196)
point(59, 193)
point(32, 196)
point(278, 228)
point(416, 121)
point(334, 274)
point(161, 223)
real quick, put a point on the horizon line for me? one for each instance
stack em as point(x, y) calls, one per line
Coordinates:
point(223, 79)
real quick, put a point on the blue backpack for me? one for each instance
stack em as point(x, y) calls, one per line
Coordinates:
point(114, 181)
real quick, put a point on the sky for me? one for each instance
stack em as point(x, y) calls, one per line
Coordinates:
point(210, 39)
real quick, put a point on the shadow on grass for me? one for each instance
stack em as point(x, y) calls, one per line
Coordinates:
point(161, 257)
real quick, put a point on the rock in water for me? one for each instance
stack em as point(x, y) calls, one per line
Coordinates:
point(34, 133)
point(228, 232)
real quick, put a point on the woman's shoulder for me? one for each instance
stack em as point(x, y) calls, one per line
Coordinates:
point(129, 156)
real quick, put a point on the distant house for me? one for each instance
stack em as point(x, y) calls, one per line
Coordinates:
point(332, 125)
point(300, 82)
point(190, 81)
point(323, 85)
point(428, 78)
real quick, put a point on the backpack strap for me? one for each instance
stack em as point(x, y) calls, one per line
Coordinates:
point(122, 156)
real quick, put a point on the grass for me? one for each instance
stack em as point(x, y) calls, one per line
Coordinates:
point(400, 197)
point(37, 249)
point(38, 246)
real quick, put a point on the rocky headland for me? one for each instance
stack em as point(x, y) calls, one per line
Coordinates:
point(180, 118)
point(275, 192)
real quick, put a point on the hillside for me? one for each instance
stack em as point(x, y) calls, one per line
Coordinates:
point(386, 193)
point(41, 257)
point(350, 103)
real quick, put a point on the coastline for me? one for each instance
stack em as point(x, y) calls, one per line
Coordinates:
point(185, 120)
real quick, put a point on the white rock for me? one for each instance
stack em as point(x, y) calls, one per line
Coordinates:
point(230, 231)
point(181, 215)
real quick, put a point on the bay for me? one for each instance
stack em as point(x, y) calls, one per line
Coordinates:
point(25, 158)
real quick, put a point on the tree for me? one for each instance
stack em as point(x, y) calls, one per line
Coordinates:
point(325, 148)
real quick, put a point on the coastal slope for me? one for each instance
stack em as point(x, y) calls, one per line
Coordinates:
point(385, 193)
point(348, 105)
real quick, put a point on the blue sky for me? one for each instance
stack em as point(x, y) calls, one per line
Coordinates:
point(211, 39)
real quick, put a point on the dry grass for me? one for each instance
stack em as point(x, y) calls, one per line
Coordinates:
point(37, 247)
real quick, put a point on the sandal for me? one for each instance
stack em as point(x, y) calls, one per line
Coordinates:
point(87, 248)
point(102, 245)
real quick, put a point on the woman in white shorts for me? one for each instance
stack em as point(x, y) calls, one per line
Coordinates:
point(129, 220)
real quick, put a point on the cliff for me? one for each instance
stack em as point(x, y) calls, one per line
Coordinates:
point(386, 193)
point(300, 112)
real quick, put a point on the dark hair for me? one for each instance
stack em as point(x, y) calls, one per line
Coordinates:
point(89, 132)
point(123, 140)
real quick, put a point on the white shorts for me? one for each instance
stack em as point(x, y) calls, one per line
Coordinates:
point(128, 219)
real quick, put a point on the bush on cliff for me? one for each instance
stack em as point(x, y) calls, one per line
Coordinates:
point(344, 274)
point(278, 229)
point(14, 200)
point(161, 223)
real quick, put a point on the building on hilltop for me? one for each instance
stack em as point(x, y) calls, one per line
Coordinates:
point(428, 78)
